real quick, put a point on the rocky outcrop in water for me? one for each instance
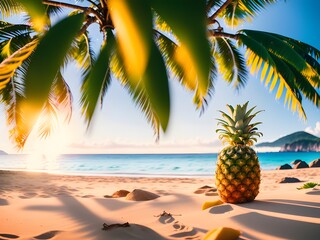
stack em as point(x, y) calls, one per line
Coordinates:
point(302, 146)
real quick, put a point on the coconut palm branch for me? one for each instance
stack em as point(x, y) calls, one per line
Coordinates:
point(235, 12)
point(9, 7)
point(97, 78)
point(231, 62)
point(59, 101)
point(137, 92)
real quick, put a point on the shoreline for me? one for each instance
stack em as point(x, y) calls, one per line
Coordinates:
point(74, 207)
point(133, 175)
point(130, 166)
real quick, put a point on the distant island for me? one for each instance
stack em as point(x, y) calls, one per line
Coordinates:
point(3, 153)
point(296, 142)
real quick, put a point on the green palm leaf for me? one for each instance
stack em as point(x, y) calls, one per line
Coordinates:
point(138, 93)
point(10, 64)
point(9, 30)
point(280, 48)
point(168, 48)
point(281, 66)
point(259, 60)
point(40, 75)
point(239, 11)
point(59, 101)
point(13, 37)
point(37, 11)
point(81, 51)
point(11, 96)
point(155, 83)
point(97, 79)
point(61, 96)
point(9, 7)
point(286, 80)
point(133, 21)
point(231, 62)
point(193, 54)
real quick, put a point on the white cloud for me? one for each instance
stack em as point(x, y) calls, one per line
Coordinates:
point(314, 131)
point(196, 145)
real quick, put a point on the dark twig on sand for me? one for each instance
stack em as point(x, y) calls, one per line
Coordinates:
point(107, 227)
point(165, 214)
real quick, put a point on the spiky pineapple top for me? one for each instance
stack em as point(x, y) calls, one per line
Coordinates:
point(237, 127)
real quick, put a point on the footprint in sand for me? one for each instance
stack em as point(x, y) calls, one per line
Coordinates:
point(180, 231)
point(87, 196)
point(44, 196)
point(184, 232)
point(166, 219)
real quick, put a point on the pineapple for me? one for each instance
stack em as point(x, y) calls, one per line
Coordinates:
point(238, 168)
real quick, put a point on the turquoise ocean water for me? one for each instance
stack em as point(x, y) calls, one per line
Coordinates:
point(170, 165)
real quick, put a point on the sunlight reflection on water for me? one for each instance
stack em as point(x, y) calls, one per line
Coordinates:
point(38, 161)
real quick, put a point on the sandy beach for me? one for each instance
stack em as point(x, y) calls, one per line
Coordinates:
point(48, 206)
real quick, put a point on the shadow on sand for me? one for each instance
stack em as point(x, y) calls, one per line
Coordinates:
point(284, 228)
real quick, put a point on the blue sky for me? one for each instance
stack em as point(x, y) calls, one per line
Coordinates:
point(120, 127)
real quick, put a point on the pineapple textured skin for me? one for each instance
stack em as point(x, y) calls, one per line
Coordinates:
point(237, 174)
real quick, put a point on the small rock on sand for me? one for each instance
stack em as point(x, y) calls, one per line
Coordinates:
point(283, 167)
point(118, 194)
point(289, 180)
point(141, 195)
point(315, 163)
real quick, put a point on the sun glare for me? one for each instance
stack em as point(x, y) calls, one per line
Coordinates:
point(44, 152)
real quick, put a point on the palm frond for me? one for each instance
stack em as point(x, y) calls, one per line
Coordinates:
point(48, 120)
point(167, 48)
point(280, 48)
point(278, 69)
point(212, 5)
point(137, 93)
point(304, 47)
point(97, 79)
point(287, 80)
point(9, 8)
point(9, 30)
point(53, 10)
point(308, 185)
point(12, 96)
point(239, 11)
point(10, 64)
point(231, 62)
point(213, 75)
point(61, 96)
point(81, 51)
point(310, 54)
point(307, 88)
point(160, 24)
point(12, 39)
point(58, 104)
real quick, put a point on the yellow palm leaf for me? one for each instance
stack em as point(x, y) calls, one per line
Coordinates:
point(10, 64)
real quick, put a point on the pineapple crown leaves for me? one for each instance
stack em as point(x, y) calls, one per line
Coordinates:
point(237, 126)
